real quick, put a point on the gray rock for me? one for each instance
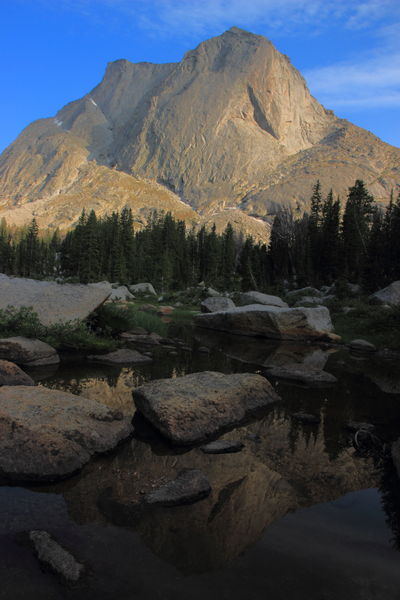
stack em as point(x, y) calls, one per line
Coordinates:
point(191, 409)
point(47, 434)
point(146, 339)
point(53, 302)
point(259, 298)
point(142, 288)
point(29, 352)
point(216, 304)
point(120, 357)
point(306, 291)
point(212, 293)
point(188, 487)
point(301, 373)
point(11, 374)
point(120, 293)
point(222, 447)
point(50, 553)
point(271, 322)
point(388, 295)
point(362, 346)
point(317, 300)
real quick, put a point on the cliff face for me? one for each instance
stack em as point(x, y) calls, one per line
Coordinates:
point(232, 125)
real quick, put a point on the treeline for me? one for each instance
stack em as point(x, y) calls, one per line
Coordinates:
point(359, 243)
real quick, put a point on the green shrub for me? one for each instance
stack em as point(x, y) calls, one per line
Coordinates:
point(115, 318)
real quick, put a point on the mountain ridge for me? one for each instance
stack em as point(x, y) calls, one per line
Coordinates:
point(232, 125)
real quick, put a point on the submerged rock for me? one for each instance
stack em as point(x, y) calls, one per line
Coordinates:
point(216, 304)
point(188, 487)
point(50, 553)
point(259, 298)
point(29, 352)
point(190, 409)
point(121, 357)
point(11, 374)
point(222, 447)
point(301, 373)
point(47, 434)
point(271, 322)
point(53, 302)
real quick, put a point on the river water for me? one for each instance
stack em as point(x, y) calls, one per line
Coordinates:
point(304, 511)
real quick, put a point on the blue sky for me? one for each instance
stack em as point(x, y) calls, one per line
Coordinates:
point(54, 51)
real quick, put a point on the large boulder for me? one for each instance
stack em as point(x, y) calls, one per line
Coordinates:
point(271, 322)
point(216, 304)
point(259, 298)
point(191, 409)
point(53, 302)
point(11, 374)
point(47, 434)
point(388, 295)
point(27, 351)
point(142, 288)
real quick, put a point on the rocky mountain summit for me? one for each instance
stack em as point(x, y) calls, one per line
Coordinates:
point(231, 126)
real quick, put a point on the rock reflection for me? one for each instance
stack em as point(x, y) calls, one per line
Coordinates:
point(250, 490)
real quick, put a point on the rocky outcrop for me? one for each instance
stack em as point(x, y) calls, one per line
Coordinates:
point(53, 302)
point(216, 303)
point(189, 486)
point(271, 322)
point(120, 293)
point(51, 554)
point(47, 434)
point(11, 374)
point(253, 139)
point(388, 295)
point(259, 298)
point(29, 352)
point(190, 409)
point(123, 356)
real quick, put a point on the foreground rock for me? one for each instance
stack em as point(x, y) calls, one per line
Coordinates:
point(29, 352)
point(53, 302)
point(47, 434)
point(11, 374)
point(271, 322)
point(388, 295)
point(301, 374)
point(223, 447)
point(216, 304)
point(190, 409)
point(259, 298)
point(188, 487)
point(120, 357)
point(50, 553)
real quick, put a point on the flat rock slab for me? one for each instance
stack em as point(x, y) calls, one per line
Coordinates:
point(53, 302)
point(301, 374)
point(271, 322)
point(191, 409)
point(259, 298)
point(11, 374)
point(120, 357)
point(51, 554)
point(188, 487)
point(222, 447)
point(47, 434)
point(27, 351)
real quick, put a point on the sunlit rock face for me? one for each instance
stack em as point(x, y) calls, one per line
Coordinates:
point(231, 126)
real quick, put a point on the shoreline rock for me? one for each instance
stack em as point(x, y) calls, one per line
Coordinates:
point(28, 352)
